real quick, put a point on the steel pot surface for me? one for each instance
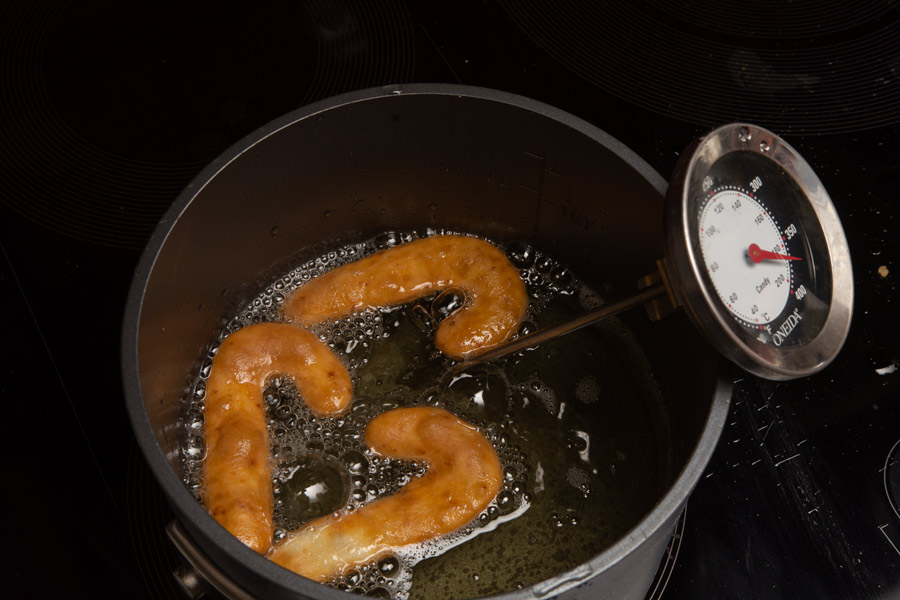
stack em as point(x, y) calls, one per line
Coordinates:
point(467, 159)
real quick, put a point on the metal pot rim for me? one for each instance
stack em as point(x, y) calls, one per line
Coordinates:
point(184, 503)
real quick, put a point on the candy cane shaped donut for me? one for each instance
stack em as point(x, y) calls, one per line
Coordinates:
point(238, 490)
point(463, 477)
point(496, 298)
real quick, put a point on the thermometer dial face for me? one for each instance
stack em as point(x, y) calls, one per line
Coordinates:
point(755, 293)
point(757, 254)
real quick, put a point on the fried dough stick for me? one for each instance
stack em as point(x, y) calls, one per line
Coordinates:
point(238, 491)
point(496, 297)
point(463, 477)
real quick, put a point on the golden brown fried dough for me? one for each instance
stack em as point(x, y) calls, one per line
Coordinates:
point(238, 477)
point(496, 298)
point(463, 477)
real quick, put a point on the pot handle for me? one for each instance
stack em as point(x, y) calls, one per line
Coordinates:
point(199, 576)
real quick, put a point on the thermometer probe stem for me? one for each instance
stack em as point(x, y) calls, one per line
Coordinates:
point(542, 335)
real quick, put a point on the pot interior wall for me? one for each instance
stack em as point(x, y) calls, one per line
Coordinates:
point(411, 162)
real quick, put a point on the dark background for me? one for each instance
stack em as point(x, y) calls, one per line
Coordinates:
point(107, 110)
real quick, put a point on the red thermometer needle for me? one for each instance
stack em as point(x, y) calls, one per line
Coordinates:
point(758, 255)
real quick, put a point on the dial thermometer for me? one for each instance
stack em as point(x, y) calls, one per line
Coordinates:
point(755, 254)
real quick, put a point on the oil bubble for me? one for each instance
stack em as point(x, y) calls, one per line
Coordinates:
point(386, 240)
point(543, 265)
point(562, 277)
point(356, 463)
point(311, 486)
point(446, 303)
point(506, 502)
point(195, 447)
point(521, 256)
point(389, 566)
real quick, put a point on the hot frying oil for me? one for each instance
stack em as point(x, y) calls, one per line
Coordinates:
point(577, 424)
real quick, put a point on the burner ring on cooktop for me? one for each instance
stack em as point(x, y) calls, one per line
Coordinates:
point(892, 478)
point(110, 109)
point(148, 513)
point(811, 66)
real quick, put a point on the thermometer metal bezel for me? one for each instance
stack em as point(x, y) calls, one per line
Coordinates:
point(687, 270)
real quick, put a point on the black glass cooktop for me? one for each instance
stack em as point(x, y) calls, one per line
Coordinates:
point(107, 110)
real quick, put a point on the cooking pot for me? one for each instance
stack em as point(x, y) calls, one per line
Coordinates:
point(408, 158)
